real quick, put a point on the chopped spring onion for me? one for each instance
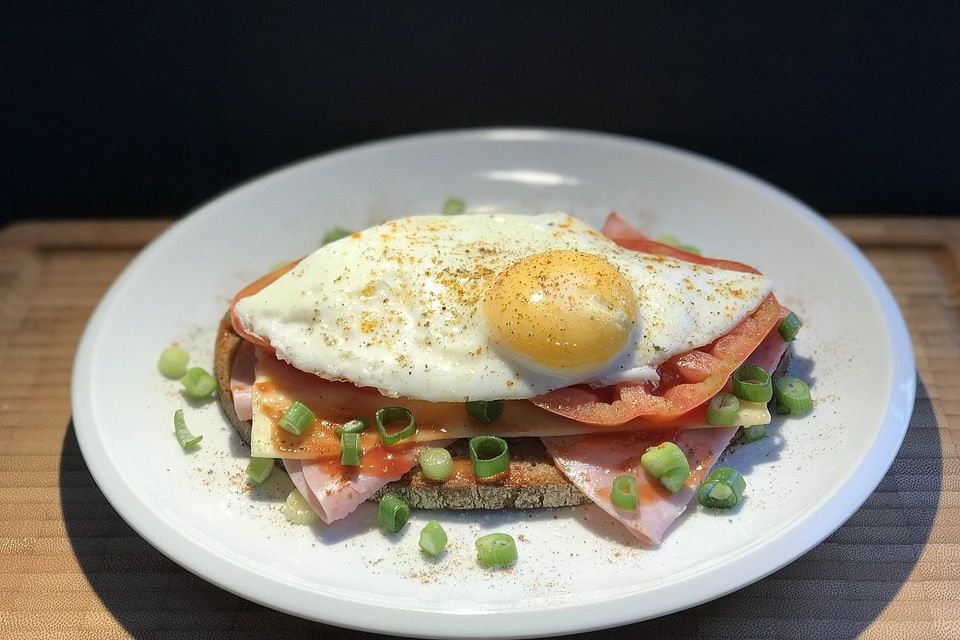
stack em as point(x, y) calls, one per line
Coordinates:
point(722, 488)
point(186, 439)
point(296, 418)
point(669, 238)
point(436, 463)
point(198, 384)
point(357, 425)
point(722, 410)
point(433, 539)
point(623, 493)
point(392, 513)
point(496, 550)
point(279, 265)
point(489, 455)
point(297, 510)
point(454, 206)
point(754, 433)
point(350, 451)
point(794, 395)
point(335, 234)
point(395, 414)
point(173, 362)
point(675, 241)
point(259, 469)
point(667, 463)
point(752, 383)
point(486, 411)
point(789, 326)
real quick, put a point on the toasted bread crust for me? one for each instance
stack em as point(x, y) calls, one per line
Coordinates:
point(532, 481)
point(225, 350)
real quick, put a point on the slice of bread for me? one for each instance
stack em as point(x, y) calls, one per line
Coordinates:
point(533, 481)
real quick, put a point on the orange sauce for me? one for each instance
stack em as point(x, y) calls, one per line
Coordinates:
point(462, 473)
point(384, 462)
point(647, 492)
point(387, 461)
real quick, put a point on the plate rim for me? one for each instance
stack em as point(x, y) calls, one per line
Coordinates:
point(233, 577)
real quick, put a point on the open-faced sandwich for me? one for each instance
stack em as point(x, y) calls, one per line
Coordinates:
point(500, 361)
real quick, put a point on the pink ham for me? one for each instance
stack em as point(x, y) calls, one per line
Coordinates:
point(768, 353)
point(242, 377)
point(618, 229)
point(591, 462)
point(334, 494)
point(295, 471)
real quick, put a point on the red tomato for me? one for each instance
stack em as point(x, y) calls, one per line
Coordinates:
point(687, 380)
point(620, 231)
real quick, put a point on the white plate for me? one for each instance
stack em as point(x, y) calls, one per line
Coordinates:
point(578, 570)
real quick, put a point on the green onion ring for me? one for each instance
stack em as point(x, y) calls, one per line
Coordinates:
point(357, 425)
point(395, 414)
point(173, 362)
point(668, 464)
point(490, 456)
point(198, 384)
point(623, 493)
point(296, 418)
point(334, 234)
point(392, 513)
point(722, 410)
point(436, 463)
point(433, 539)
point(496, 550)
point(789, 326)
point(454, 206)
point(259, 469)
point(297, 510)
point(794, 394)
point(486, 411)
point(752, 383)
point(350, 451)
point(722, 488)
point(754, 433)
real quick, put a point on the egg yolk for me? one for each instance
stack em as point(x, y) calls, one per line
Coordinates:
point(561, 311)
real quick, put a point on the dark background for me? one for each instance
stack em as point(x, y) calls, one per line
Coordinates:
point(107, 110)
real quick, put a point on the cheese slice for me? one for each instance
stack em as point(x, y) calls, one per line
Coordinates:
point(278, 385)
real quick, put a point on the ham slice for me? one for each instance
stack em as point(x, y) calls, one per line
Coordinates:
point(335, 492)
point(242, 377)
point(295, 471)
point(591, 462)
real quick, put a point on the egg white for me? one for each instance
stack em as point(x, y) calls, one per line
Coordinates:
point(397, 306)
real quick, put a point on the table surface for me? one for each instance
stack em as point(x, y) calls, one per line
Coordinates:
point(70, 567)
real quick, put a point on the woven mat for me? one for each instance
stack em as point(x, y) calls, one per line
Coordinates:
point(71, 568)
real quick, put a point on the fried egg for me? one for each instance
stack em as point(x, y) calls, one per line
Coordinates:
point(491, 306)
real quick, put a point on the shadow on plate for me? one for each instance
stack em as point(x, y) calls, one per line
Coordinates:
point(835, 591)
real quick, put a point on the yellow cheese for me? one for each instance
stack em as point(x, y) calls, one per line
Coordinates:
point(279, 384)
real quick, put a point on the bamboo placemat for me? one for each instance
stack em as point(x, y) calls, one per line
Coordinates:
point(71, 568)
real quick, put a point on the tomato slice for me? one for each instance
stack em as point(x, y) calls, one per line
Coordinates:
point(621, 232)
point(687, 380)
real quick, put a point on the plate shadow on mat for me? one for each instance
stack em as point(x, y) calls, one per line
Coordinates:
point(150, 595)
point(834, 591)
